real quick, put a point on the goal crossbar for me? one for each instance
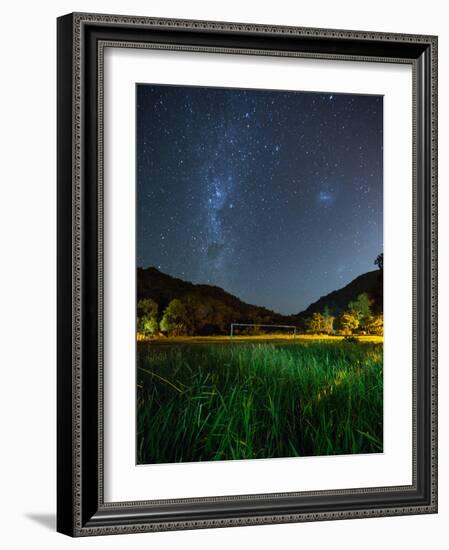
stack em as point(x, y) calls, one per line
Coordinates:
point(262, 326)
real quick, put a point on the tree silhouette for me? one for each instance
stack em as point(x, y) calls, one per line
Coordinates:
point(379, 261)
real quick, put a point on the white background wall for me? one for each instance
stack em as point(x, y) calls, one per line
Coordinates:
point(28, 282)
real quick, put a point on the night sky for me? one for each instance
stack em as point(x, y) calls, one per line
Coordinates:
point(274, 196)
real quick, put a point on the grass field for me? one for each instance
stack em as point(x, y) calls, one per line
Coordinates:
point(260, 338)
point(204, 401)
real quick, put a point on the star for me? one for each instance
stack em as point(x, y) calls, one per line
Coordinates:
point(248, 189)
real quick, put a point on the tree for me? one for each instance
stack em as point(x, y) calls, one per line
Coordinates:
point(348, 322)
point(175, 320)
point(147, 311)
point(147, 306)
point(379, 261)
point(361, 307)
point(375, 325)
point(200, 314)
point(378, 291)
point(321, 323)
point(328, 321)
point(149, 325)
point(316, 323)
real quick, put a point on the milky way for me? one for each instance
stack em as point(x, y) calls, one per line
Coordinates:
point(274, 196)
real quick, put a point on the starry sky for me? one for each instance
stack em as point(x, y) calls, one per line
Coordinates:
point(275, 196)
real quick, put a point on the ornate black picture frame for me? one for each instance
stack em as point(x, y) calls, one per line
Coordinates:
point(81, 509)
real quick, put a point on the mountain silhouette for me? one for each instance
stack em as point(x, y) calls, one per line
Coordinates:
point(337, 301)
point(162, 288)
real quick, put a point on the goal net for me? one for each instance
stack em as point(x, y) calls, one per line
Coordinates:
point(253, 329)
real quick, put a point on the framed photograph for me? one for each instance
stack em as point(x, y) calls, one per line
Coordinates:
point(246, 274)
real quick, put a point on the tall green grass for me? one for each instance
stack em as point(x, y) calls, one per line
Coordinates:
point(243, 401)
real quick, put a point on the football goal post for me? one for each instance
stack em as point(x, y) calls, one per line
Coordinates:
point(273, 329)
